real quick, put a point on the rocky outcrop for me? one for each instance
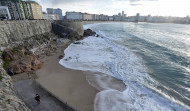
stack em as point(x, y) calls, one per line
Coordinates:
point(89, 32)
point(21, 60)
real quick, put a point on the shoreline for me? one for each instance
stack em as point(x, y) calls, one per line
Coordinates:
point(74, 88)
point(67, 85)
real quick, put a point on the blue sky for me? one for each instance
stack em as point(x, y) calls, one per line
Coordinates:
point(131, 7)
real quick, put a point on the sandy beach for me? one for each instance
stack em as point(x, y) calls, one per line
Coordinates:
point(71, 86)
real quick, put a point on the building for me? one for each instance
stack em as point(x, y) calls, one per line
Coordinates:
point(74, 16)
point(51, 17)
point(15, 8)
point(59, 12)
point(27, 10)
point(137, 17)
point(50, 11)
point(95, 17)
point(36, 10)
point(87, 16)
point(4, 12)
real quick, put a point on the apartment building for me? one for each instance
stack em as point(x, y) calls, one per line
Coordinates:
point(36, 10)
point(15, 8)
point(4, 12)
point(74, 16)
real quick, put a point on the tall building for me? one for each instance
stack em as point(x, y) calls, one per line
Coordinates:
point(4, 12)
point(36, 10)
point(50, 11)
point(27, 9)
point(15, 8)
point(123, 13)
point(58, 12)
point(51, 17)
point(137, 17)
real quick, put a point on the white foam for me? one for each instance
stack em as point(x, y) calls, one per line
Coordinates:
point(100, 54)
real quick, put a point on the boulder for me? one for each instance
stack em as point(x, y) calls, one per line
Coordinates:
point(61, 57)
point(74, 36)
point(89, 32)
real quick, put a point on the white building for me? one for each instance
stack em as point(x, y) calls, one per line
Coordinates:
point(51, 17)
point(74, 16)
point(4, 12)
point(95, 17)
point(87, 16)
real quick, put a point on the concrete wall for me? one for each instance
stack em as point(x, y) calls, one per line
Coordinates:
point(13, 31)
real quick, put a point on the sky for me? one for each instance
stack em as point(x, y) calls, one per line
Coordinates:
point(179, 8)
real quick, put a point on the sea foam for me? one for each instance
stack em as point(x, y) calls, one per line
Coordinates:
point(101, 54)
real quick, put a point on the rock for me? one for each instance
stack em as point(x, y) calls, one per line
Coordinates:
point(77, 42)
point(61, 57)
point(48, 53)
point(89, 32)
point(74, 36)
point(36, 64)
point(7, 55)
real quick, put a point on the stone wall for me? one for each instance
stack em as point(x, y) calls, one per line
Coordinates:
point(67, 29)
point(14, 31)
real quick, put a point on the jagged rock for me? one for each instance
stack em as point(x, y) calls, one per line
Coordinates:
point(22, 60)
point(89, 32)
point(61, 57)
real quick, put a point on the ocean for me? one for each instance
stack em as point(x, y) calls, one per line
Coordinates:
point(152, 60)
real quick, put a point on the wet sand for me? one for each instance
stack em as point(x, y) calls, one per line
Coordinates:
point(71, 86)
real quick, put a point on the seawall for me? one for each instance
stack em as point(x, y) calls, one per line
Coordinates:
point(14, 31)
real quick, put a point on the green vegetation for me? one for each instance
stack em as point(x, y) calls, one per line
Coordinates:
point(6, 62)
point(1, 78)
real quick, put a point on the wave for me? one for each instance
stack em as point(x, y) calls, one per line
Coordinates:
point(101, 54)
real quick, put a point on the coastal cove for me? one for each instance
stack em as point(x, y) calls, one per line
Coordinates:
point(114, 69)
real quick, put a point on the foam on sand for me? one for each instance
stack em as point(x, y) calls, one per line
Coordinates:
point(101, 54)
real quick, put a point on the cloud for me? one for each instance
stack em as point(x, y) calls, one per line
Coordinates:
point(135, 4)
point(136, 0)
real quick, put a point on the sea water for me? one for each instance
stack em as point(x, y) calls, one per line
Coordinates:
point(152, 60)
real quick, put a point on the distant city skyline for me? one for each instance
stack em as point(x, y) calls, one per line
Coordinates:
point(131, 7)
